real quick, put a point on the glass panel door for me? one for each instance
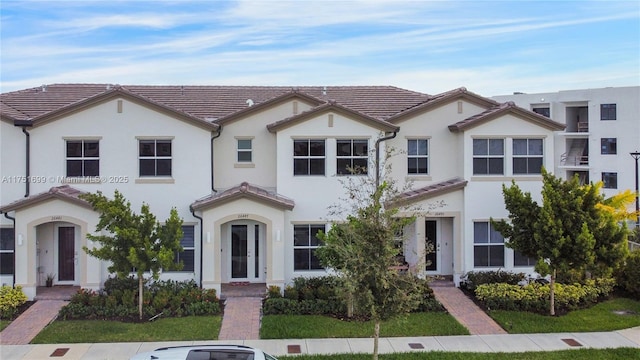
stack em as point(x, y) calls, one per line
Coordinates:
point(239, 251)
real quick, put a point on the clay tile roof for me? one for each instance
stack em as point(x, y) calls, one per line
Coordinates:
point(244, 190)
point(331, 105)
point(432, 190)
point(64, 192)
point(501, 109)
point(209, 102)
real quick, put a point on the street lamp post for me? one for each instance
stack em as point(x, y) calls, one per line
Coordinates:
point(636, 156)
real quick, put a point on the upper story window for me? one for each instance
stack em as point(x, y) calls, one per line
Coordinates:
point(608, 146)
point(544, 111)
point(308, 157)
point(155, 157)
point(488, 246)
point(7, 247)
point(352, 157)
point(245, 150)
point(83, 158)
point(610, 180)
point(607, 111)
point(305, 243)
point(418, 156)
point(527, 156)
point(186, 256)
point(488, 156)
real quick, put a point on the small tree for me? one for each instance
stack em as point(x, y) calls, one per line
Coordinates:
point(135, 242)
point(571, 231)
point(363, 250)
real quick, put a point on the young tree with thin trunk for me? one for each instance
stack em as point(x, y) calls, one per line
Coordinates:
point(134, 242)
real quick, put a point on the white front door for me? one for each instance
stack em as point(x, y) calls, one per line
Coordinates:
point(246, 251)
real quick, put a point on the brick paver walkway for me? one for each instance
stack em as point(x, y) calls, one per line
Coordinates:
point(466, 311)
point(23, 329)
point(241, 319)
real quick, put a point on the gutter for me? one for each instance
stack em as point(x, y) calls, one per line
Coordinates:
point(213, 138)
point(193, 212)
point(15, 246)
point(388, 137)
point(27, 182)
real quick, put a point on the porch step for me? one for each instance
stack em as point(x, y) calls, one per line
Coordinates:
point(23, 329)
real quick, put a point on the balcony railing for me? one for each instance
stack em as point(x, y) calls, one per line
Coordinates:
point(583, 126)
point(567, 160)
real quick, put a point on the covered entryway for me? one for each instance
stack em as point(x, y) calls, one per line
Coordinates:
point(57, 249)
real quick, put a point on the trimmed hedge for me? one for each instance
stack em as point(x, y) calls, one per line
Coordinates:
point(119, 300)
point(321, 296)
point(471, 280)
point(534, 296)
point(10, 301)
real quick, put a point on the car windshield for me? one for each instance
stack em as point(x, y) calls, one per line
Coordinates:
point(269, 357)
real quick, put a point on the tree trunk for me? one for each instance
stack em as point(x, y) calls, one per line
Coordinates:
point(376, 338)
point(552, 286)
point(140, 298)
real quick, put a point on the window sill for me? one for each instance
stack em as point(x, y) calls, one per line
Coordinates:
point(536, 177)
point(244, 165)
point(420, 177)
point(152, 180)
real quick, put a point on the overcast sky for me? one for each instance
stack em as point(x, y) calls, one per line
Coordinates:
point(489, 47)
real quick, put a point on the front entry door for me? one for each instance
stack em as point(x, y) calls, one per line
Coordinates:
point(66, 253)
point(246, 257)
point(431, 244)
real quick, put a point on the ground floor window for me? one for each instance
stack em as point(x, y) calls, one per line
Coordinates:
point(187, 255)
point(7, 248)
point(520, 260)
point(488, 246)
point(305, 243)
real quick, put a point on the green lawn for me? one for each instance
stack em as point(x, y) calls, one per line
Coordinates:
point(4, 324)
point(311, 326)
point(98, 331)
point(591, 354)
point(601, 317)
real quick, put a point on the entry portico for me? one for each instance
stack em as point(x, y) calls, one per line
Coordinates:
point(243, 238)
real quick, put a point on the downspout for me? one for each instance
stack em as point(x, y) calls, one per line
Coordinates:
point(213, 138)
point(27, 161)
point(378, 155)
point(193, 212)
point(15, 246)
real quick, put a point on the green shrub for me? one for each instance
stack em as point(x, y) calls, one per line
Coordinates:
point(629, 276)
point(291, 293)
point(471, 280)
point(534, 297)
point(10, 301)
point(273, 292)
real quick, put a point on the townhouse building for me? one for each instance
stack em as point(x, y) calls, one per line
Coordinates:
point(253, 171)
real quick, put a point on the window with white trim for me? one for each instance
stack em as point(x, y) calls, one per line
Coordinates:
point(83, 158)
point(245, 150)
point(305, 243)
point(488, 156)
point(527, 156)
point(7, 248)
point(155, 157)
point(187, 255)
point(308, 157)
point(418, 156)
point(352, 157)
point(488, 245)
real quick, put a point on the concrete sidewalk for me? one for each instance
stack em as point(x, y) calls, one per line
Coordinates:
point(466, 343)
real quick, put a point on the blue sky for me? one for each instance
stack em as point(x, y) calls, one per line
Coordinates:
point(489, 47)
